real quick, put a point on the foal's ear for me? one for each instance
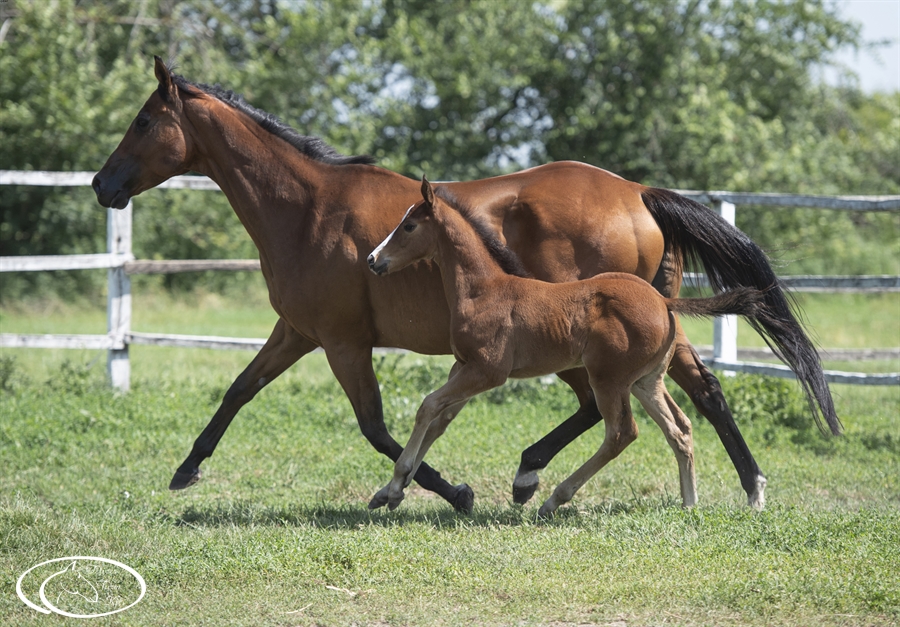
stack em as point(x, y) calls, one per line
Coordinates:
point(427, 191)
point(164, 76)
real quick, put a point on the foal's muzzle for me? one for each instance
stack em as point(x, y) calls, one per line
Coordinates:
point(377, 266)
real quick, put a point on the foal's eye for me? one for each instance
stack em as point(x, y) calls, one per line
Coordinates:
point(142, 123)
point(409, 228)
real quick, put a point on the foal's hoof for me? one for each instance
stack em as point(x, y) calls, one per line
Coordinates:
point(183, 480)
point(464, 500)
point(380, 499)
point(546, 512)
point(394, 501)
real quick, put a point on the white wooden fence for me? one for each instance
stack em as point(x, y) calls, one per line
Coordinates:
point(120, 263)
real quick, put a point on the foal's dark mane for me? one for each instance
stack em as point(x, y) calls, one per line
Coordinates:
point(508, 261)
point(312, 147)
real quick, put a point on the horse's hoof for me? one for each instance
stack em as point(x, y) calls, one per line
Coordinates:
point(183, 480)
point(524, 494)
point(464, 500)
point(524, 487)
point(757, 498)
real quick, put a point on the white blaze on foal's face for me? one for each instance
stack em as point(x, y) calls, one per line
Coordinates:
point(375, 260)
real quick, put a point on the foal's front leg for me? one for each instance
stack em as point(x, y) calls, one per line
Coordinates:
point(435, 430)
point(467, 381)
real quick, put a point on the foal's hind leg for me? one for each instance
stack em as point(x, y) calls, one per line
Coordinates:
point(692, 376)
point(652, 394)
point(538, 455)
point(621, 430)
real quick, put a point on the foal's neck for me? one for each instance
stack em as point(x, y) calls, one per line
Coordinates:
point(467, 268)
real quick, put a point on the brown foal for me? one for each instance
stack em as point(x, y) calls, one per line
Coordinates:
point(615, 325)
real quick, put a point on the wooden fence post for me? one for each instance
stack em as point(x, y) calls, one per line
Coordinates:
point(725, 327)
point(118, 307)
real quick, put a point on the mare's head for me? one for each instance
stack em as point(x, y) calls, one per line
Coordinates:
point(413, 239)
point(154, 149)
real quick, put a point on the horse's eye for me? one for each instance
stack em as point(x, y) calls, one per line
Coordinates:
point(142, 123)
point(409, 227)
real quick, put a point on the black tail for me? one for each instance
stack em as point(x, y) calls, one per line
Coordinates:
point(731, 260)
point(741, 301)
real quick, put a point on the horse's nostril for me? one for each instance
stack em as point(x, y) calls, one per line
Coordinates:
point(96, 184)
point(371, 261)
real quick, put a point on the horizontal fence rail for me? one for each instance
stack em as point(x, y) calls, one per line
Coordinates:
point(121, 264)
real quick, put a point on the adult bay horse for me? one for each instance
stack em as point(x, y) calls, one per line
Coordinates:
point(315, 215)
point(504, 323)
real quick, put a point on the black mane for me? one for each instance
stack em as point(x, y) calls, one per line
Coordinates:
point(508, 260)
point(312, 147)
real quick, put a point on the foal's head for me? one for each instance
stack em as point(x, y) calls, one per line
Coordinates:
point(413, 239)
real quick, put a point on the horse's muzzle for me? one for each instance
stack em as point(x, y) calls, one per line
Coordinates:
point(108, 195)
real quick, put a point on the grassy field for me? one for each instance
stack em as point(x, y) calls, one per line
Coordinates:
point(277, 532)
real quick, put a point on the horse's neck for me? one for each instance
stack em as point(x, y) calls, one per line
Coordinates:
point(258, 172)
point(467, 268)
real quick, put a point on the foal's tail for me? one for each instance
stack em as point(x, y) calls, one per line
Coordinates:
point(741, 301)
point(731, 260)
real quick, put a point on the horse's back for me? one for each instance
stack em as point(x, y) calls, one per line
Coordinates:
point(569, 220)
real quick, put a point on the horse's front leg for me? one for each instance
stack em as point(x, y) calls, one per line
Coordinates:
point(538, 455)
point(352, 366)
point(434, 415)
point(283, 348)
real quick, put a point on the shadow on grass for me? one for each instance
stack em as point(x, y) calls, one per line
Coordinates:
point(346, 516)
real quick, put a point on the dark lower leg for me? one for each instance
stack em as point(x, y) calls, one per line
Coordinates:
point(694, 377)
point(353, 368)
point(283, 348)
point(538, 455)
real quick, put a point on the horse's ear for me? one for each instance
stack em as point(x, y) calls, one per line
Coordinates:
point(427, 191)
point(164, 76)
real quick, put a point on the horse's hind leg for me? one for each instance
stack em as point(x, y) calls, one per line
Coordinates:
point(691, 375)
point(538, 455)
point(613, 402)
point(283, 348)
point(652, 394)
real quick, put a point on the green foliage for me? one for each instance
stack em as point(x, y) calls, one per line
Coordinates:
point(8, 372)
point(704, 95)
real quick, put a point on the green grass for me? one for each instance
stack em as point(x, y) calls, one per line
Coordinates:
point(277, 532)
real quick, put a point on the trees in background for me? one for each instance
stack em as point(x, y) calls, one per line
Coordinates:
point(686, 94)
